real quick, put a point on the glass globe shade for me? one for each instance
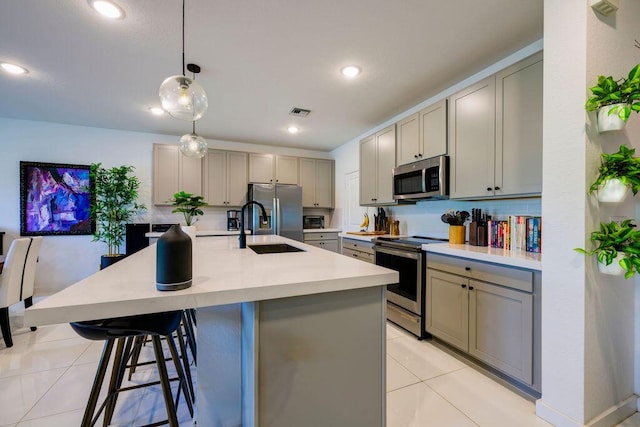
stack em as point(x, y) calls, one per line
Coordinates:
point(183, 98)
point(193, 145)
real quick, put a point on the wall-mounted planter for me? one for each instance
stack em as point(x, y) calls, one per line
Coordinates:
point(612, 191)
point(613, 269)
point(609, 121)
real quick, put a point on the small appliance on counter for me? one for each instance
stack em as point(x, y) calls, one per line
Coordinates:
point(233, 220)
point(160, 228)
point(313, 221)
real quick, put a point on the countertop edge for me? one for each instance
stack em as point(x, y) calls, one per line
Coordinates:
point(528, 260)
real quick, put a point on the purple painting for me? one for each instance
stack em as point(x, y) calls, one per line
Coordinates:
point(54, 199)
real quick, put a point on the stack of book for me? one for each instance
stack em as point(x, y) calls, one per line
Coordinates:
point(516, 233)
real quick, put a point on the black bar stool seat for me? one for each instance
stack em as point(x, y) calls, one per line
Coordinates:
point(122, 330)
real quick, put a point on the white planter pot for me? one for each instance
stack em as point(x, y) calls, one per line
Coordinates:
point(608, 122)
point(613, 191)
point(191, 231)
point(612, 269)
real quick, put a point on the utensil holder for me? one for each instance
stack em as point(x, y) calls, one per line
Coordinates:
point(457, 234)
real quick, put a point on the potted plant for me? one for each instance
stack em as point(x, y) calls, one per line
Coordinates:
point(114, 203)
point(615, 99)
point(618, 173)
point(189, 205)
point(618, 248)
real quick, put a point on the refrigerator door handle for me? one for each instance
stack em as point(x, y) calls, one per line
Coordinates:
point(278, 216)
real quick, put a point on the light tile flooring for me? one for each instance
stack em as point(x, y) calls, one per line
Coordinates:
point(46, 376)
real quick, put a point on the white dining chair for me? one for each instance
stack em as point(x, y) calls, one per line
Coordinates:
point(11, 283)
point(29, 276)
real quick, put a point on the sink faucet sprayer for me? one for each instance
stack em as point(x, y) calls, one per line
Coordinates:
point(243, 237)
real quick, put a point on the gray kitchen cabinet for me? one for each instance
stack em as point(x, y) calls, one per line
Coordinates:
point(316, 179)
point(328, 241)
point(225, 178)
point(173, 172)
point(269, 168)
point(490, 312)
point(377, 160)
point(495, 134)
point(422, 135)
point(358, 249)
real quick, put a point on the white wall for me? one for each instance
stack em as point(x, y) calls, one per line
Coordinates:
point(588, 318)
point(67, 259)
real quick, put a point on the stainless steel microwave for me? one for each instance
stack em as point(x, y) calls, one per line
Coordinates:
point(424, 179)
point(313, 221)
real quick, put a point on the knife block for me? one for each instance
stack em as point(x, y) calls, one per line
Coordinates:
point(477, 234)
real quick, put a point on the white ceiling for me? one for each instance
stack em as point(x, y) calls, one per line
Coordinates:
point(259, 59)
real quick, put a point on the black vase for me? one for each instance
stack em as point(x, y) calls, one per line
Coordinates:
point(106, 260)
point(173, 260)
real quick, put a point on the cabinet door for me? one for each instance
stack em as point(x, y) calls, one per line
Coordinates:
point(191, 174)
point(501, 329)
point(166, 173)
point(447, 306)
point(433, 130)
point(331, 245)
point(261, 168)
point(236, 178)
point(308, 182)
point(286, 170)
point(472, 140)
point(386, 147)
point(215, 178)
point(519, 128)
point(324, 183)
point(368, 166)
point(408, 140)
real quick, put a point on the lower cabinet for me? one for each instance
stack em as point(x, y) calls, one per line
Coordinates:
point(328, 241)
point(358, 249)
point(487, 311)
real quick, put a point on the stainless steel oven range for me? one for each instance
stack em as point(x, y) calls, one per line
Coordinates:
point(405, 299)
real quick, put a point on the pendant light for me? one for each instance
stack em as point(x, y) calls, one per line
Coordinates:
point(192, 144)
point(181, 96)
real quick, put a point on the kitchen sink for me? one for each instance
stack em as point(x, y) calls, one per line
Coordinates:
point(274, 248)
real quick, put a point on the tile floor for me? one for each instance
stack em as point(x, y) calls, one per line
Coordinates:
point(46, 376)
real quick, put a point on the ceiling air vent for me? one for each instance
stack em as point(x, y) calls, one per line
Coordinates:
point(299, 112)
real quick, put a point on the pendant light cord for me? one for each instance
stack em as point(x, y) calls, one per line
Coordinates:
point(183, 72)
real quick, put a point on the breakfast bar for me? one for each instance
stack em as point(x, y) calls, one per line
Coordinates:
point(284, 339)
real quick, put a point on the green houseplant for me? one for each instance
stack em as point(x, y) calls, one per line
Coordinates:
point(615, 99)
point(618, 171)
point(114, 204)
point(618, 245)
point(189, 205)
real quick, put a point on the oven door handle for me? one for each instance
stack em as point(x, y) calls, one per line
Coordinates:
point(399, 253)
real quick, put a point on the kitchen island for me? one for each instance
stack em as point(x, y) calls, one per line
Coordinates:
point(284, 339)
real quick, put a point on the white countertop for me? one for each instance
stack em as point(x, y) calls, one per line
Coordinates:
point(201, 233)
point(321, 230)
point(222, 274)
point(529, 260)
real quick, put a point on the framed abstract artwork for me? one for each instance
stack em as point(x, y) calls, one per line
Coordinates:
point(55, 199)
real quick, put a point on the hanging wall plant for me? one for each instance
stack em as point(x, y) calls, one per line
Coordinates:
point(618, 248)
point(615, 99)
point(618, 173)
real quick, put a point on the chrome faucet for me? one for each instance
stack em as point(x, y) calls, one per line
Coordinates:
point(243, 237)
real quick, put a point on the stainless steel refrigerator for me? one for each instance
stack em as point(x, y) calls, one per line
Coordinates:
point(283, 204)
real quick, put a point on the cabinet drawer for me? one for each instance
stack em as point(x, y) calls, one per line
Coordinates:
point(515, 278)
point(320, 236)
point(363, 256)
point(356, 245)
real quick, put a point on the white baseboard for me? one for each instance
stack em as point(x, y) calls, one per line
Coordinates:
point(607, 418)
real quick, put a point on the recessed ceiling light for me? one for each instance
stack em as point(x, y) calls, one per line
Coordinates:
point(350, 71)
point(156, 111)
point(107, 9)
point(292, 129)
point(13, 68)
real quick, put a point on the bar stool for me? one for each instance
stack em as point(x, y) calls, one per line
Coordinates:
point(122, 330)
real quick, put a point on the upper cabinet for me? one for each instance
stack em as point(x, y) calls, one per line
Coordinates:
point(173, 172)
point(495, 134)
point(225, 178)
point(423, 134)
point(316, 179)
point(377, 160)
point(269, 168)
